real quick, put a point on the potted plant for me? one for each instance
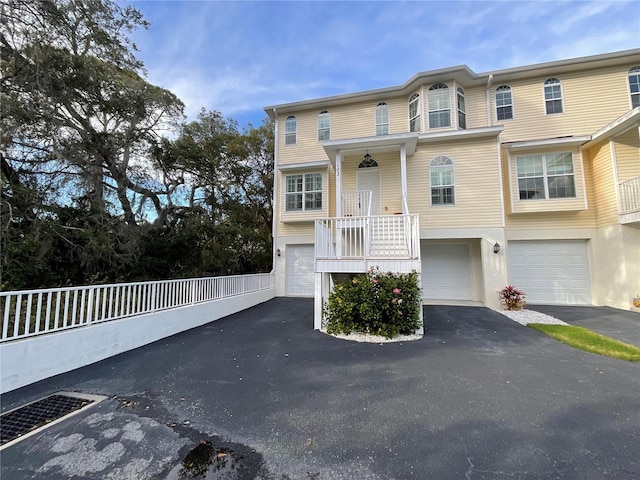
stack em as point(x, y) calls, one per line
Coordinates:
point(636, 300)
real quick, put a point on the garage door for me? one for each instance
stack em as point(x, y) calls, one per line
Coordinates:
point(300, 278)
point(555, 272)
point(446, 272)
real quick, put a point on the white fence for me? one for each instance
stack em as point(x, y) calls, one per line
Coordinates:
point(384, 236)
point(36, 312)
point(630, 196)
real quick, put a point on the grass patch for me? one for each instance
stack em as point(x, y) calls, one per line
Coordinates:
point(590, 341)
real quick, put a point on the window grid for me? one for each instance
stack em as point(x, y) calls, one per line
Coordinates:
point(442, 181)
point(546, 176)
point(324, 126)
point(553, 96)
point(382, 119)
point(414, 113)
point(504, 103)
point(303, 192)
point(634, 86)
point(439, 106)
point(462, 115)
point(290, 128)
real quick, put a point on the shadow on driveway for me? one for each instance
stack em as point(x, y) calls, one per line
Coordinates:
point(478, 397)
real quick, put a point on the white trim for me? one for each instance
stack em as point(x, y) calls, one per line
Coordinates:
point(274, 213)
point(549, 142)
point(453, 184)
point(338, 169)
point(303, 165)
point(584, 180)
point(495, 103)
point(466, 134)
point(380, 143)
point(375, 119)
point(617, 127)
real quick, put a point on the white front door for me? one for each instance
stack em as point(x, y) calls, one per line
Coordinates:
point(369, 179)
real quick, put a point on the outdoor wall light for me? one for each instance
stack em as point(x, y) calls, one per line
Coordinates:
point(278, 252)
point(496, 247)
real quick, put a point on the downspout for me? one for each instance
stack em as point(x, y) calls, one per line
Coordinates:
point(488, 98)
point(274, 220)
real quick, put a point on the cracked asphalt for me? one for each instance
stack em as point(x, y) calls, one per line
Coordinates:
point(479, 397)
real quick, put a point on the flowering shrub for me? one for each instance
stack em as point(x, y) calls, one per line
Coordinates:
point(377, 303)
point(512, 298)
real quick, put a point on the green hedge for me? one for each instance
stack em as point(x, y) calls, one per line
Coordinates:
point(384, 304)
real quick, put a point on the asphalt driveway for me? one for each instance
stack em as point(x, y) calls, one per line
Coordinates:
point(480, 397)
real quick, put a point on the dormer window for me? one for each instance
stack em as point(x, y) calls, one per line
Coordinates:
point(382, 119)
point(414, 113)
point(439, 106)
point(553, 96)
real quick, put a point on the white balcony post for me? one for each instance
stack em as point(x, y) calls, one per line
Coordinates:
point(338, 184)
point(403, 174)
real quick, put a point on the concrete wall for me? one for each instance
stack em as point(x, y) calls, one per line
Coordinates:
point(26, 361)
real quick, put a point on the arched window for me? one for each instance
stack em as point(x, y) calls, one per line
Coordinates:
point(462, 112)
point(442, 179)
point(634, 86)
point(382, 119)
point(439, 106)
point(367, 162)
point(414, 113)
point(290, 130)
point(504, 103)
point(324, 126)
point(553, 96)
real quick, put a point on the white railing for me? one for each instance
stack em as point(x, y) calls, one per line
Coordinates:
point(35, 312)
point(356, 204)
point(630, 195)
point(363, 238)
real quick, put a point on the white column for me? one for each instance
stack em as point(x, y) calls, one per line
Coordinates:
point(317, 301)
point(338, 183)
point(403, 175)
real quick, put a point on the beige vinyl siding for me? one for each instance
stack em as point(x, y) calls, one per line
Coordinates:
point(590, 100)
point(296, 229)
point(477, 185)
point(307, 147)
point(604, 190)
point(504, 166)
point(476, 107)
point(627, 147)
point(547, 205)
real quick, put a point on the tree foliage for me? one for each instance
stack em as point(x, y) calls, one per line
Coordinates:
point(91, 190)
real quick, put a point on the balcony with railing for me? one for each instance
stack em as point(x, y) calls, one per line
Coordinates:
point(355, 244)
point(629, 193)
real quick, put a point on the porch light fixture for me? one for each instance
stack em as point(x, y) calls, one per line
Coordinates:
point(367, 158)
point(496, 247)
point(278, 252)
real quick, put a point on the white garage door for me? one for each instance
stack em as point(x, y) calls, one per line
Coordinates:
point(555, 272)
point(300, 278)
point(446, 272)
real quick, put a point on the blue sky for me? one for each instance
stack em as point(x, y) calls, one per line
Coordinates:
point(239, 56)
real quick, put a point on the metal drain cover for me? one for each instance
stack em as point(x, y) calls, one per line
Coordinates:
point(22, 421)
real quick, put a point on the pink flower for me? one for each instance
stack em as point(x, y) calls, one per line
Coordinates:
point(394, 301)
point(396, 291)
point(375, 280)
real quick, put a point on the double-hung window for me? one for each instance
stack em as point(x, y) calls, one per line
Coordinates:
point(462, 113)
point(290, 130)
point(442, 181)
point(553, 96)
point(504, 103)
point(382, 119)
point(303, 192)
point(439, 106)
point(414, 113)
point(634, 86)
point(546, 176)
point(324, 126)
